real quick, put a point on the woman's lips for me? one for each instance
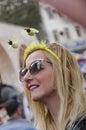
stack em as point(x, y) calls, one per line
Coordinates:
point(32, 86)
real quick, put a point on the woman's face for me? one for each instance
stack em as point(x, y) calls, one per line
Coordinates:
point(40, 84)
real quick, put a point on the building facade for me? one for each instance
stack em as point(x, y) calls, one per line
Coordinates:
point(11, 58)
point(59, 27)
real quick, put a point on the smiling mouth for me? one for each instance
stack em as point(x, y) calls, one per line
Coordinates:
point(32, 87)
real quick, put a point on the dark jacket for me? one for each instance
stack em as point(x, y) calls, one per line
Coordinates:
point(79, 124)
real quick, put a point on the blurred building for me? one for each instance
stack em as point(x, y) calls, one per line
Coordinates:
point(59, 27)
point(10, 58)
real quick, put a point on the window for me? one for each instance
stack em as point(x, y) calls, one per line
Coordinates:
point(49, 12)
point(55, 34)
point(77, 28)
point(67, 33)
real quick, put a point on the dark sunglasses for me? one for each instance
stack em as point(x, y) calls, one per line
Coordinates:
point(34, 68)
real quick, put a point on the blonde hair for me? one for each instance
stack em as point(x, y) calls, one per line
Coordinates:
point(69, 79)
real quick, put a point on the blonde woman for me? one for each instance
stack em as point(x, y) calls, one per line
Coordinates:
point(53, 86)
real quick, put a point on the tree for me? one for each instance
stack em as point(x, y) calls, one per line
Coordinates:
point(20, 12)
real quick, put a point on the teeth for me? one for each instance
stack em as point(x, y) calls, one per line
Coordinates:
point(32, 87)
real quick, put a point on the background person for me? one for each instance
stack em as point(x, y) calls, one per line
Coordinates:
point(15, 122)
point(53, 86)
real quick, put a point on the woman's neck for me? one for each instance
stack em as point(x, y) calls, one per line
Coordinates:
point(53, 104)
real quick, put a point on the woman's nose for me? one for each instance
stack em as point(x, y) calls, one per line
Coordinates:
point(28, 77)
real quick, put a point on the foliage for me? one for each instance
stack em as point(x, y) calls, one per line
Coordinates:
point(20, 12)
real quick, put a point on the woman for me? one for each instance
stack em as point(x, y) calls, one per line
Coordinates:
point(53, 86)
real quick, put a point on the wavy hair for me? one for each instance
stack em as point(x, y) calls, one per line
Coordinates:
point(69, 83)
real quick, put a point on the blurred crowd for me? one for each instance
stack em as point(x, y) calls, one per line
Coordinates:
point(10, 100)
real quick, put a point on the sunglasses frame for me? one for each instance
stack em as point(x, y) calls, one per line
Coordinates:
point(24, 71)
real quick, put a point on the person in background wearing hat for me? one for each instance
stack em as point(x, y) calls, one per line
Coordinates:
point(15, 122)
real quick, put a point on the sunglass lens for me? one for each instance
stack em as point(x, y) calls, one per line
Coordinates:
point(35, 67)
point(22, 73)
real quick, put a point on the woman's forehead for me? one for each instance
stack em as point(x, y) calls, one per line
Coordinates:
point(34, 56)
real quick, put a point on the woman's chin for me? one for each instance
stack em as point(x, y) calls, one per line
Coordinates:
point(37, 98)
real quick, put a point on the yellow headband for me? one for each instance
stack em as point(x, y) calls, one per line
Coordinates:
point(34, 46)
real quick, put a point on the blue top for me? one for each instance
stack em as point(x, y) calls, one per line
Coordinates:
point(17, 124)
